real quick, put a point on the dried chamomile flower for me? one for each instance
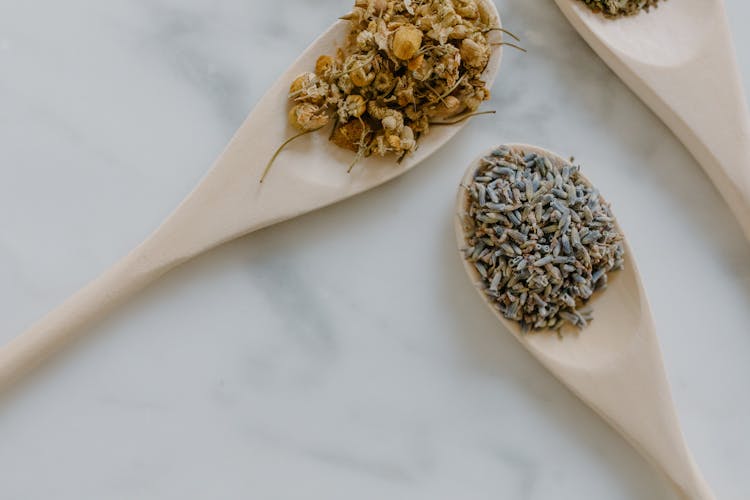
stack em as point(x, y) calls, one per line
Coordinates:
point(361, 77)
point(383, 82)
point(466, 8)
point(324, 65)
point(448, 107)
point(351, 135)
point(307, 116)
point(475, 54)
point(406, 65)
point(308, 87)
point(372, 6)
point(353, 107)
point(344, 84)
point(406, 42)
point(473, 95)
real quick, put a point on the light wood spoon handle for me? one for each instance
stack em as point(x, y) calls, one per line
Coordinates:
point(203, 221)
point(131, 274)
point(230, 202)
point(633, 395)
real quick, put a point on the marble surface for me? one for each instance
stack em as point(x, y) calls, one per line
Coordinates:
point(341, 355)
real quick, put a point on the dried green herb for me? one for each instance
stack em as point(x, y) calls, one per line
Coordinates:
point(619, 8)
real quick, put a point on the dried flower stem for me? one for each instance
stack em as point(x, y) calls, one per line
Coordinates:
point(280, 148)
point(360, 154)
point(464, 117)
point(361, 150)
point(509, 45)
point(514, 37)
point(355, 68)
point(435, 92)
point(451, 89)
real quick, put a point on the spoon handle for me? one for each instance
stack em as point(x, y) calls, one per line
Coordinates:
point(628, 386)
point(139, 268)
point(699, 490)
point(700, 99)
point(203, 221)
point(696, 488)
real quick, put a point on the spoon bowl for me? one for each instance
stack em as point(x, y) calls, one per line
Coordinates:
point(614, 364)
point(231, 202)
point(666, 36)
point(679, 59)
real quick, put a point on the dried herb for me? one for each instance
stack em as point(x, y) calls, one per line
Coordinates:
point(406, 65)
point(541, 238)
point(619, 8)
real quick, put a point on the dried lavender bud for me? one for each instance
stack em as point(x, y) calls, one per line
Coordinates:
point(619, 8)
point(540, 236)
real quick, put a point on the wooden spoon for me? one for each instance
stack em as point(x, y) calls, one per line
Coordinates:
point(679, 59)
point(614, 365)
point(231, 202)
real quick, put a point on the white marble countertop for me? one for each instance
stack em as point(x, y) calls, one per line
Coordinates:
point(341, 355)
